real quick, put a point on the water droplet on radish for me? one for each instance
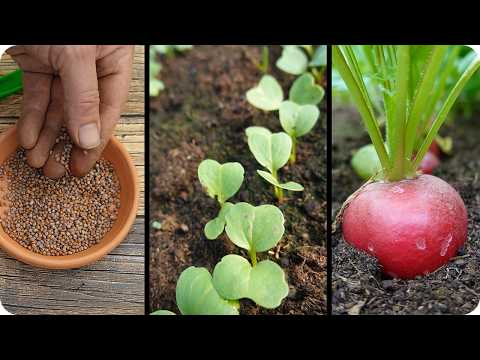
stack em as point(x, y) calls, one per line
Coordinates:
point(371, 248)
point(446, 245)
point(397, 189)
point(421, 244)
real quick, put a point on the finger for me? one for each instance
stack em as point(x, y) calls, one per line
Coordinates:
point(79, 79)
point(113, 94)
point(54, 168)
point(37, 157)
point(36, 97)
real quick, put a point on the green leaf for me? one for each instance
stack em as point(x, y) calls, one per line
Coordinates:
point(220, 180)
point(319, 57)
point(291, 185)
point(270, 150)
point(155, 87)
point(234, 278)
point(304, 91)
point(366, 163)
point(197, 296)
point(298, 120)
point(215, 227)
point(257, 228)
point(11, 83)
point(293, 60)
point(267, 95)
point(162, 312)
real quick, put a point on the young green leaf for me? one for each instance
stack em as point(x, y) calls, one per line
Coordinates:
point(270, 150)
point(319, 57)
point(298, 120)
point(162, 312)
point(215, 227)
point(254, 228)
point(293, 60)
point(366, 163)
point(267, 95)
point(304, 91)
point(234, 278)
point(220, 180)
point(291, 185)
point(196, 295)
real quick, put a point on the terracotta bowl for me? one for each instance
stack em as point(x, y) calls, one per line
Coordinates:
point(117, 154)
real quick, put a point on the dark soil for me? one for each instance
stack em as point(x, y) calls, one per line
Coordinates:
point(358, 285)
point(203, 114)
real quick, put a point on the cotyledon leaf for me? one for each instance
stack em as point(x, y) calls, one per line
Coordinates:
point(298, 120)
point(196, 295)
point(215, 227)
point(234, 278)
point(220, 180)
point(304, 91)
point(163, 312)
point(270, 150)
point(293, 60)
point(291, 185)
point(257, 228)
point(267, 95)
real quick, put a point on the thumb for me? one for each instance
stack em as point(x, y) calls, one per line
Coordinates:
point(82, 100)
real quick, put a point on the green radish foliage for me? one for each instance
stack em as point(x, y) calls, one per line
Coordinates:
point(272, 151)
point(255, 229)
point(299, 114)
point(221, 181)
point(415, 100)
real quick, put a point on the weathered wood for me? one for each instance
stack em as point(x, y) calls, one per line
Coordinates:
point(135, 104)
point(116, 283)
point(113, 285)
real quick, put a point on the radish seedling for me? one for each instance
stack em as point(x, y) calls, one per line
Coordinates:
point(255, 229)
point(295, 59)
point(196, 295)
point(272, 152)
point(412, 223)
point(297, 120)
point(221, 181)
point(297, 115)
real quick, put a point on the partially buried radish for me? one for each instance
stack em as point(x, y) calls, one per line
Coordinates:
point(411, 222)
point(411, 226)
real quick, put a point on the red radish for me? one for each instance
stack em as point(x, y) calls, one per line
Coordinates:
point(412, 227)
point(429, 163)
point(435, 149)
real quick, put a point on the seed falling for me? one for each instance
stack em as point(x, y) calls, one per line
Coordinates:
point(62, 216)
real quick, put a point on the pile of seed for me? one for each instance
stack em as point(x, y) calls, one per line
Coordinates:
point(62, 216)
point(63, 157)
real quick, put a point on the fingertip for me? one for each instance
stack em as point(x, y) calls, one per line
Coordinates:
point(81, 162)
point(26, 139)
point(35, 159)
point(53, 169)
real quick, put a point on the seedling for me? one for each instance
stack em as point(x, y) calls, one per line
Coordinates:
point(272, 152)
point(196, 295)
point(299, 114)
point(298, 59)
point(412, 223)
point(255, 229)
point(297, 120)
point(221, 181)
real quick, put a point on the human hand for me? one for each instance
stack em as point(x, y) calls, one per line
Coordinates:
point(81, 87)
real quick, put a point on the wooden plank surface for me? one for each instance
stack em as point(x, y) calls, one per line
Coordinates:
point(116, 283)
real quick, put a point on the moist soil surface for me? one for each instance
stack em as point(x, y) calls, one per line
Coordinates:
point(201, 114)
point(359, 287)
